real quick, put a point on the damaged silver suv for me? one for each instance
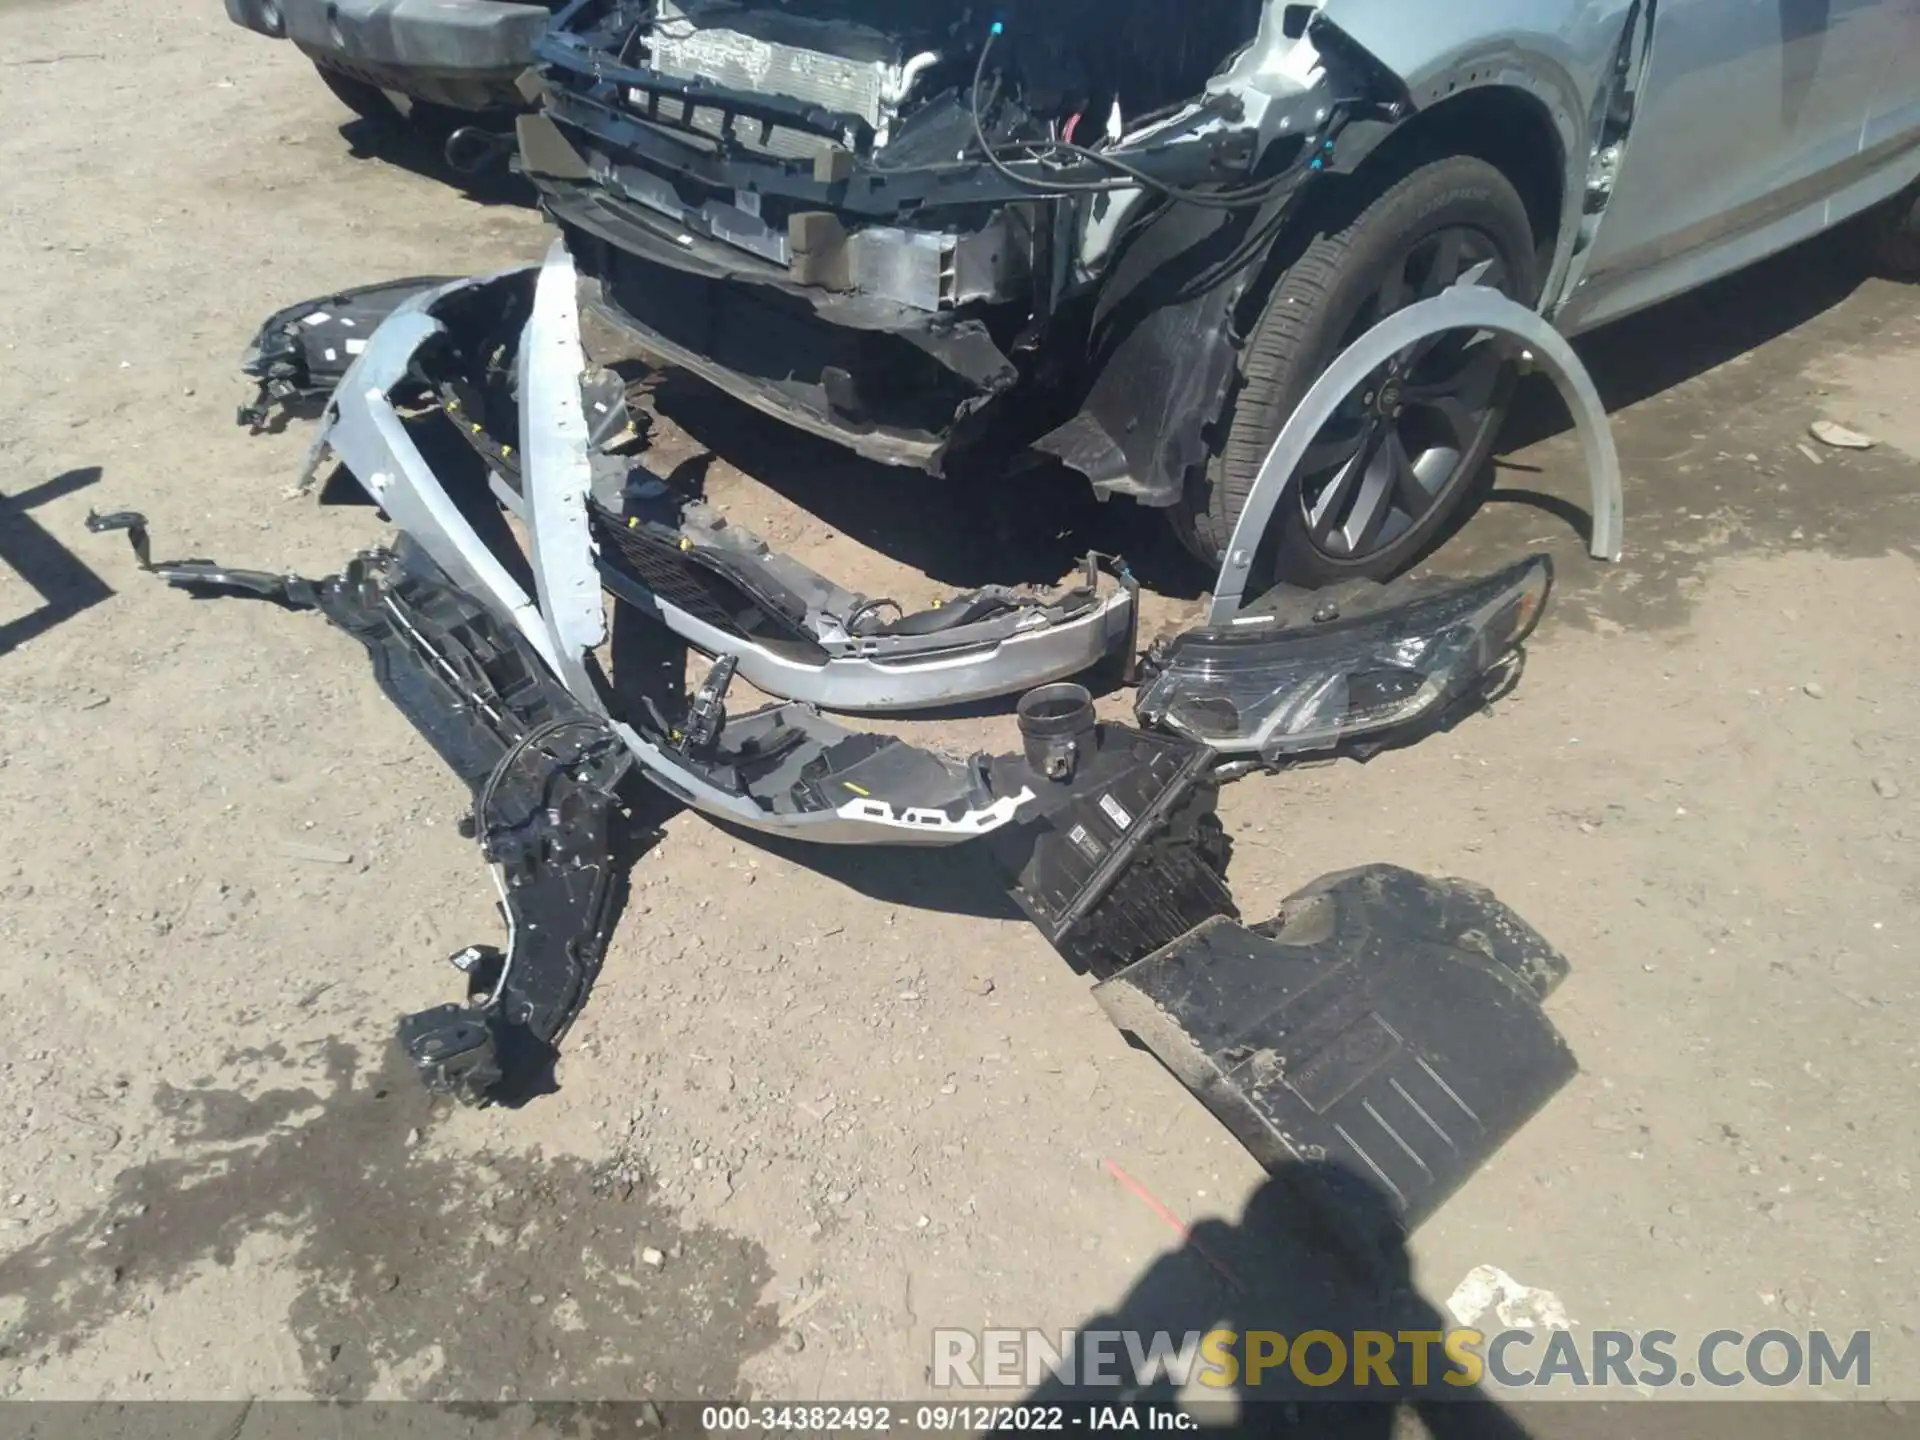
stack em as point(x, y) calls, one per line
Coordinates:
point(1130, 234)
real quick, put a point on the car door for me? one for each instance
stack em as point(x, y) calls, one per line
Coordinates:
point(1748, 118)
point(1893, 113)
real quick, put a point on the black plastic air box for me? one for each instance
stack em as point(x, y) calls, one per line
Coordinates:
point(1124, 853)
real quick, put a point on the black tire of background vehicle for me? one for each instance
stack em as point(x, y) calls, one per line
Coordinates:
point(1893, 236)
point(369, 102)
point(1312, 313)
point(420, 117)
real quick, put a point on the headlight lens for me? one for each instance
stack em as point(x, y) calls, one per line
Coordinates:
point(1311, 687)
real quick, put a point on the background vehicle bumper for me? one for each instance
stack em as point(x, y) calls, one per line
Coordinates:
point(261, 15)
point(461, 53)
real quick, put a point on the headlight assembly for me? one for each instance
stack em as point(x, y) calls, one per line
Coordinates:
point(1263, 687)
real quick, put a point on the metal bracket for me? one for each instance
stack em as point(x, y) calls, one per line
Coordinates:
point(1465, 307)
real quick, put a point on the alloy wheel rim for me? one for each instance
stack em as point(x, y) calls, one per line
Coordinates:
point(1396, 446)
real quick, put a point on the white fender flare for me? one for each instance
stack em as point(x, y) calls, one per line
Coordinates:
point(1465, 307)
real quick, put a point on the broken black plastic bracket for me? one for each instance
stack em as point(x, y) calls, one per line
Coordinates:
point(543, 817)
point(707, 711)
point(135, 526)
point(206, 577)
point(303, 351)
point(455, 1050)
point(544, 772)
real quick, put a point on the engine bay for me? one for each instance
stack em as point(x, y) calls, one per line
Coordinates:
point(916, 113)
point(929, 232)
point(869, 75)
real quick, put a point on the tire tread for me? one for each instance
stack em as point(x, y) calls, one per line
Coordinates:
point(1286, 336)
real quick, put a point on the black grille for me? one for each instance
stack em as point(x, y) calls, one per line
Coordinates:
point(690, 581)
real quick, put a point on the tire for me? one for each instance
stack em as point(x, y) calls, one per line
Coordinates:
point(369, 102)
point(1893, 236)
point(1323, 301)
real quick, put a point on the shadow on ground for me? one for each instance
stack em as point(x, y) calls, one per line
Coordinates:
point(423, 151)
point(420, 1273)
point(1291, 1267)
point(1026, 529)
point(1294, 1268)
point(1672, 343)
point(1710, 398)
point(62, 583)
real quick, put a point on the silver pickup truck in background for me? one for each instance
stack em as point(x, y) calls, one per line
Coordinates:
point(380, 56)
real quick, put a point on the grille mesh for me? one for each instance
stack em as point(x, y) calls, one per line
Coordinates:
point(695, 586)
point(661, 567)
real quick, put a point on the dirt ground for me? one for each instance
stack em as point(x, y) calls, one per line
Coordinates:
point(851, 1097)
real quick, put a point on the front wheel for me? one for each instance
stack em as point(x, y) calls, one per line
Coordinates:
point(1893, 235)
point(1402, 454)
point(404, 113)
point(369, 102)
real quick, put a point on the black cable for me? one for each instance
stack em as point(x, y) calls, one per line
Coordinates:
point(483, 803)
point(852, 625)
point(1064, 187)
point(1245, 197)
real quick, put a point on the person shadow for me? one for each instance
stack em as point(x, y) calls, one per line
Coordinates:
point(1291, 1265)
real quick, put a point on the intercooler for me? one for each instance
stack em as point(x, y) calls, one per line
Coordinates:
point(843, 69)
point(831, 80)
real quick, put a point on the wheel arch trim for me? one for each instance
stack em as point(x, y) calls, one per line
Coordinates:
point(1468, 307)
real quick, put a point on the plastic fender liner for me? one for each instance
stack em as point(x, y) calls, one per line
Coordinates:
point(1384, 1034)
point(1164, 351)
point(1465, 307)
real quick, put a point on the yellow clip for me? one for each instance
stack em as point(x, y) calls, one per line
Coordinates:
point(632, 521)
point(685, 544)
point(856, 789)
